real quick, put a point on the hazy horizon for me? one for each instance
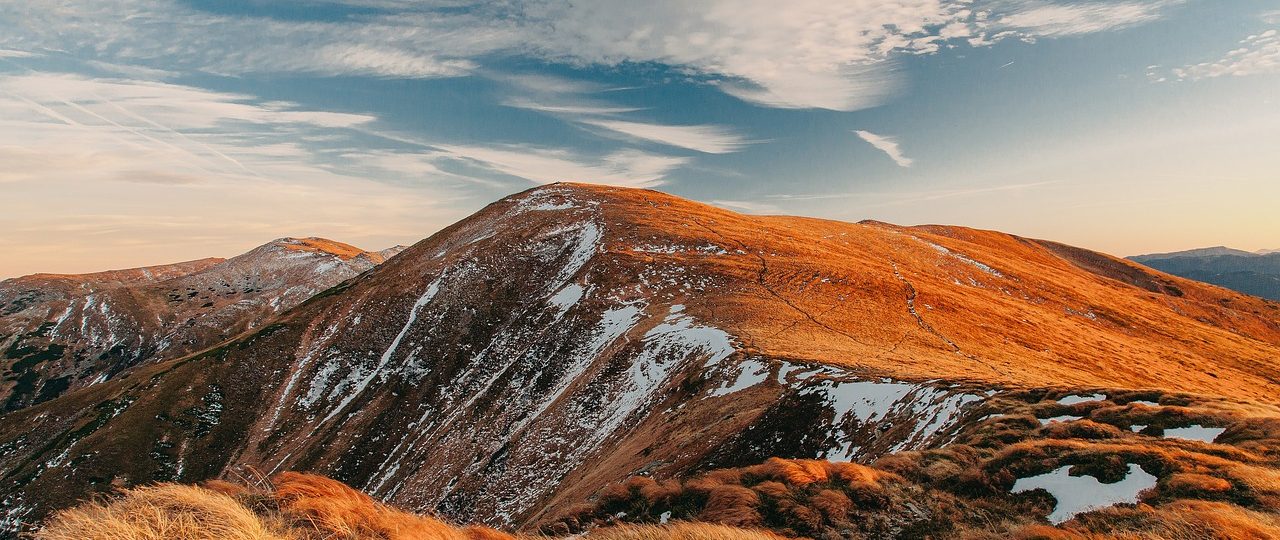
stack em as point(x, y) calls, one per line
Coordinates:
point(137, 133)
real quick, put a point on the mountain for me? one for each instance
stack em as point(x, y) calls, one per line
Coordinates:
point(1267, 251)
point(1257, 274)
point(391, 251)
point(60, 332)
point(1196, 253)
point(512, 365)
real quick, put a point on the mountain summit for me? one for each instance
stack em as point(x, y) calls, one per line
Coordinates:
point(563, 338)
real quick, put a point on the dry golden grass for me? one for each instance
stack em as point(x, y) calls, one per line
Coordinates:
point(324, 245)
point(1182, 520)
point(342, 512)
point(1020, 311)
point(298, 507)
point(163, 512)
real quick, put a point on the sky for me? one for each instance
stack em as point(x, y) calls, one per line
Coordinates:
point(136, 132)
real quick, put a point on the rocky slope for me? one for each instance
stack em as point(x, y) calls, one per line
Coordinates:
point(61, 332)
point(564, 338)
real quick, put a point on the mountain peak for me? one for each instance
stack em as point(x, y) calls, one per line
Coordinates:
point(316, 244)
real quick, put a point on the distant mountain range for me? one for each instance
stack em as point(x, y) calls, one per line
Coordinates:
point(508, 368)
point(1256, 273)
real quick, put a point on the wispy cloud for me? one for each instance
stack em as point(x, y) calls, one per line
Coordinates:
point(631, 168)
point(574, 102)
point(888, 145)
point(1037, 18)
point(111, 127)
point(1258, 54)
point(579, 108)
point(907, 197)
point(750, 207)
point(9, 53)
point(702, 138)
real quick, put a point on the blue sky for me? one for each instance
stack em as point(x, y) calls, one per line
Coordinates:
point(147, 131)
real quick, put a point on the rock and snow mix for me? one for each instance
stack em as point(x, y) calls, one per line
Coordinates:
point(859, 404)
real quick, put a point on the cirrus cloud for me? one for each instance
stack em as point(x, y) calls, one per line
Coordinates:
point(888, 145)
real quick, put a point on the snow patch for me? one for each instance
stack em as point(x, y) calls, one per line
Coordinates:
point(565, 298)
point(1194, 433)
point(1077, 494)
point(750, 373)
point(710, 249)
point(1072, 400)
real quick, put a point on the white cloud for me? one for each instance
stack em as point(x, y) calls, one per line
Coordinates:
point(1270, 17)
point(1036, 18)
point(1258, 54)
point(575, 108)
point(541, 165)
point(810, 54)
point(9, 53)
point(888, 145)
point(365, 59)
point(538, 83)
point(707, 139)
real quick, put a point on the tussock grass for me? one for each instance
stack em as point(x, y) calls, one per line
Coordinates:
point(164, 512)
point(296, 507)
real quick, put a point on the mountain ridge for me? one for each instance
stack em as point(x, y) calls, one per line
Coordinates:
point(560, 339)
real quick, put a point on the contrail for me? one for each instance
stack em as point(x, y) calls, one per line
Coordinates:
point(184, 136)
